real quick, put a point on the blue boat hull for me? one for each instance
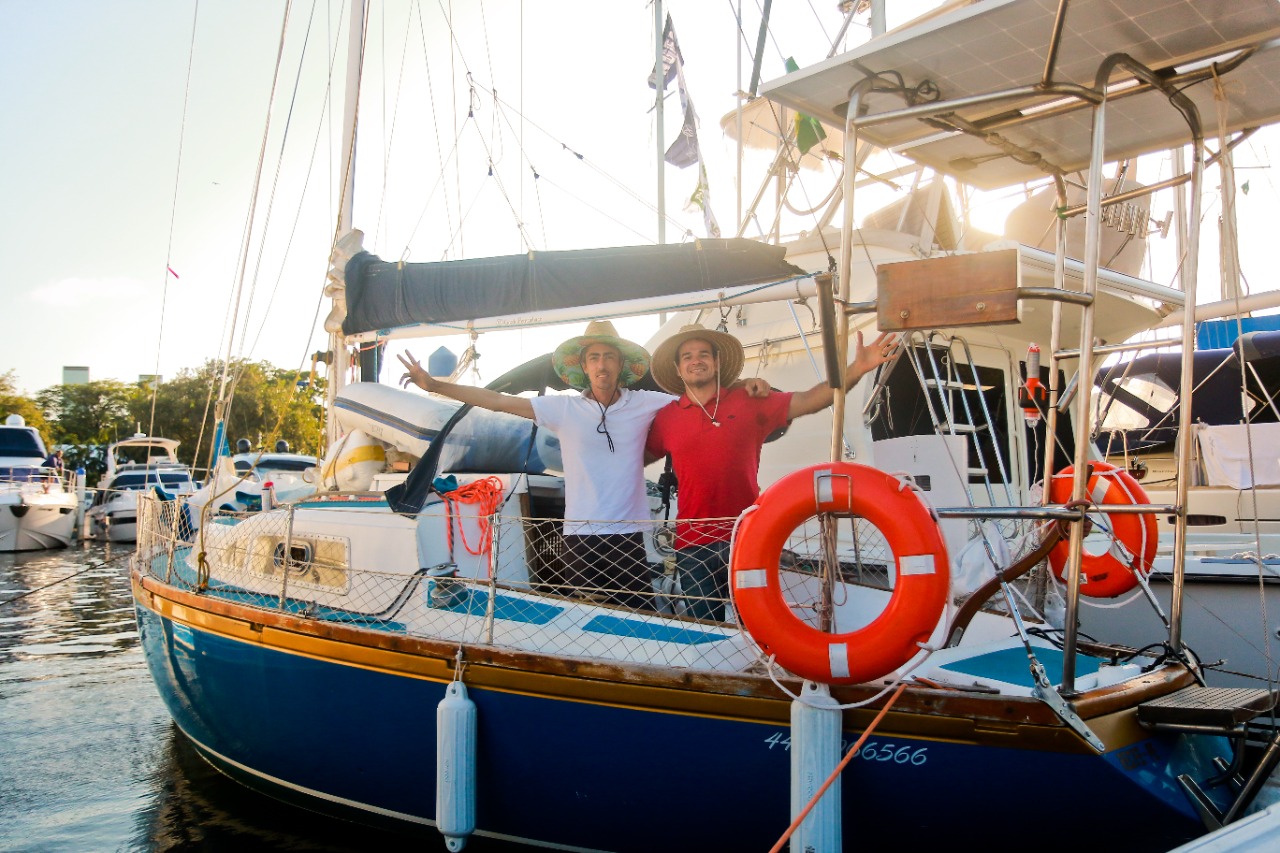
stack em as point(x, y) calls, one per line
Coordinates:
point(586, 773)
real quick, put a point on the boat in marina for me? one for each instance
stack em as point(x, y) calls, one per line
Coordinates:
point(37, 504)
point(1232, 573)
point(135, 466)
point(278, 464)
point(303, 649)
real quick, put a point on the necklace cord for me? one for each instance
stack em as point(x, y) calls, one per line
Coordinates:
point(711, 415)
point(602, 428)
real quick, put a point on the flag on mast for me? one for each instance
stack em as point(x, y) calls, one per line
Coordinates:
point(685, 150)
point(670, 56)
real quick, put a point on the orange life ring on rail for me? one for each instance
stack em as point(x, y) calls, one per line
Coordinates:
point(1133, 546)
point(919, 592)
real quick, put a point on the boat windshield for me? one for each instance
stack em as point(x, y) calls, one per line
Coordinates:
point(20, 442)
point(145, 479)
point(142, 454)
point(1138, 399)
point(25, 473)
point(286, 464)
point(275, 463)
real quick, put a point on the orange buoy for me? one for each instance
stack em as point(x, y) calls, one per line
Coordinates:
point(1133, 535)
point(919, 592)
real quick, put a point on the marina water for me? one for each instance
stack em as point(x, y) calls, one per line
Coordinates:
point(89, 757)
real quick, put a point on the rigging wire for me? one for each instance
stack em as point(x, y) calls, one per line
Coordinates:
point(271, 201)
point(223, 404)
point(395, 115)
point(651, 207)
point(431, 99)
point(426, 205)
point(592, 207)
point(173, 215)
point(455, 55)
point(306, 183)
point(772, 38)
point(497, 177)
point(1222, 103)
point(501, 116)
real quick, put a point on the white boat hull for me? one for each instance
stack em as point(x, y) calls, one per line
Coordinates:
point(116, 520)
point(33, 522)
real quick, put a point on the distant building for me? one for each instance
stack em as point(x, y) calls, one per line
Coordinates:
point(75, 375)
point(151, 380)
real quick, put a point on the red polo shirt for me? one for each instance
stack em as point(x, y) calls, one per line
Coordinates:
point(717, 465)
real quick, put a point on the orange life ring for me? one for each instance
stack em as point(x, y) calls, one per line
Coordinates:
point(1111, 574)
point(919, 592)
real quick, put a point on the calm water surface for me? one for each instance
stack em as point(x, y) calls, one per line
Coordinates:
point(89, 758)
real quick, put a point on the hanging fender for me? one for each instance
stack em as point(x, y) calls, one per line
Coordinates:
point(920, 559)
point(1133, 535)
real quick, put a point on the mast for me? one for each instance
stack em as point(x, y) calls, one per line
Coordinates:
point(355, 61)
point(660, 32)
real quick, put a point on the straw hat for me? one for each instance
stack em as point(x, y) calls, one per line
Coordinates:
point(727, 347)
point(567, 359)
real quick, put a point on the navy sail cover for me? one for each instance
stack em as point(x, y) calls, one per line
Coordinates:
point(385, 295)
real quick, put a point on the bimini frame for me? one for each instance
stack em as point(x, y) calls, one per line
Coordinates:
point(1038, 129)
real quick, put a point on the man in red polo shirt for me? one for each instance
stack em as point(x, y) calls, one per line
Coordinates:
point(714, 434)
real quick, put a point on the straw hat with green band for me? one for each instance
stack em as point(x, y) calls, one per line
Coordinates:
point(728, 351)
point(567, 359)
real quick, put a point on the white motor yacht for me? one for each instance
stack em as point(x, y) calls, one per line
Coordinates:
point(37, 504)
point(135, 465)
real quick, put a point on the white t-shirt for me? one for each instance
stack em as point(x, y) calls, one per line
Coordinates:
point(603, 492)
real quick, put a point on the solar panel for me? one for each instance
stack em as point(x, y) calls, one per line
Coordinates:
point(1000, 45)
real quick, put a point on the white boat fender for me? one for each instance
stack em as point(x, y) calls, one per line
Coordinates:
point(815, 753)
point(456, 765)
point(352, 462)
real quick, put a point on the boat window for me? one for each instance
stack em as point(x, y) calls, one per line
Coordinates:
point(20, 442)
point(146, 479)
point(314, 560)
point(1135, 400)
point(142, 455)
point(909, 405)
point(299, 555)
point(286, 465)
point(1138, 399)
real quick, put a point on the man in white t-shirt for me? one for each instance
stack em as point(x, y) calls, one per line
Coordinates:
point(602, 435)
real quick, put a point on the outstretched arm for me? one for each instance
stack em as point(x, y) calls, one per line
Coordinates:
point(494, 401)
point(865, 360)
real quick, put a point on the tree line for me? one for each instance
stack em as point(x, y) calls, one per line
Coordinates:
point(267, 403)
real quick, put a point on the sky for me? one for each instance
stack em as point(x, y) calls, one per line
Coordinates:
point(134, 130)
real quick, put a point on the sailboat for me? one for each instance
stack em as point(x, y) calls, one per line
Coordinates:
point(417, 656)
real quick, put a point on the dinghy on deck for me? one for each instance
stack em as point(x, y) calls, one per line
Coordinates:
point(409, 422)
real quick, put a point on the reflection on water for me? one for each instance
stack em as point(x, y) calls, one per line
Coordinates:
point(89, 758)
